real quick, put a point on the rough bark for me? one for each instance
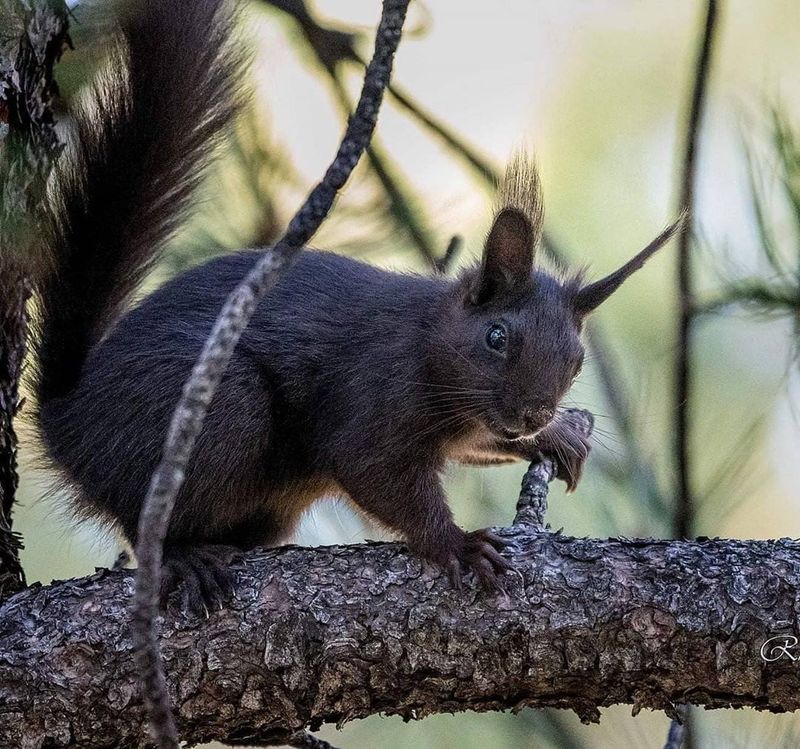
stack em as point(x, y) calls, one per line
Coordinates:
point(33, 35)
point(13, 326)
point(337, 633)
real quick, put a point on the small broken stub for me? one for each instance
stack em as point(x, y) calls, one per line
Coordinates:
point(532, 502)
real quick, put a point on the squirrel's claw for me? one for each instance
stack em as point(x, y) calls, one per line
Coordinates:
point(479, 554)
point(201, 575)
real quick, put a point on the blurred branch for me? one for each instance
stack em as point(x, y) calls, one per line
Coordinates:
point(455, 144)
point(331, 48)
point(684, 509)
point(445, 264)
point(404, 206)
point(761, 295)
point(255, 171)
point(31, 42)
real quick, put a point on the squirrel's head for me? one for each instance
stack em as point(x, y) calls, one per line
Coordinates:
point(513, 345)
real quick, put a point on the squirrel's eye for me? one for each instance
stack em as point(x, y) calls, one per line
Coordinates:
point(497, 338)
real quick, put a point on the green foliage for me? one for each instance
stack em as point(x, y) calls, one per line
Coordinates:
point(775, 293)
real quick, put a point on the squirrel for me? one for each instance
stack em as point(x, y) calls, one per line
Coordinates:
point(350, 380)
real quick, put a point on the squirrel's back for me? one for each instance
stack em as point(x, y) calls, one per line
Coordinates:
point(317, 353)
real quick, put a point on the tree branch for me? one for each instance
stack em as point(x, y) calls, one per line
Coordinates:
point(685, 504)
point(333, 634)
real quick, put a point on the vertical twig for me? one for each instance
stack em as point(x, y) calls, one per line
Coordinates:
point(532, 502)
point(404, 209)
point(684, 510)
point(675, 735)
point(683, 374)
point(187, 420)
point(678, 734)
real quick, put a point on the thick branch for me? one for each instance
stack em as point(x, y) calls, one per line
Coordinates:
point(337, 633)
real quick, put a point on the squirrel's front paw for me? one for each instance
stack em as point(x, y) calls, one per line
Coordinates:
point(568, 443)
point(571, 458)
point(478, 553)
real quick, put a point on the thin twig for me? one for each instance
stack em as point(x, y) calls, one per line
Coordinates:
point(445, 263)
point(476, 161)
point(532, 502)
point(187, 420)
point(684, 509)
point(675, 735)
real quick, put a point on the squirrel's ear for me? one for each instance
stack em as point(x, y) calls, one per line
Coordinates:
point(594, 294)
point(509, 251)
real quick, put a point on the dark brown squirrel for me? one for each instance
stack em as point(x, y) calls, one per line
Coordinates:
point(350, 380)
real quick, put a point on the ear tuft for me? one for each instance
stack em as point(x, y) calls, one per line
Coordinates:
point(517, 228)
point(521, 190)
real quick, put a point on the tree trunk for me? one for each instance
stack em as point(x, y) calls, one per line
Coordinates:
point(14, 294)
point(31, 43)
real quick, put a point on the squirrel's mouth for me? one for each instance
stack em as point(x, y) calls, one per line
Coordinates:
point(509, 433)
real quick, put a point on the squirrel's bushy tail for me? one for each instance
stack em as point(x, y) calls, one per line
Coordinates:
point(142, 140)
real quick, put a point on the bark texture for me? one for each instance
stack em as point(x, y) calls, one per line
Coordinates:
point(32, 37)
point(14, 289)
point(338, 633)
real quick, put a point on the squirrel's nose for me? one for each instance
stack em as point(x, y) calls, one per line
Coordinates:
point(537, 417)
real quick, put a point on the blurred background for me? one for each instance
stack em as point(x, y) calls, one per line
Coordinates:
point(599, 90)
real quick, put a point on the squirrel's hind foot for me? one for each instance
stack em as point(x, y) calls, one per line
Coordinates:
point(200, 576)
